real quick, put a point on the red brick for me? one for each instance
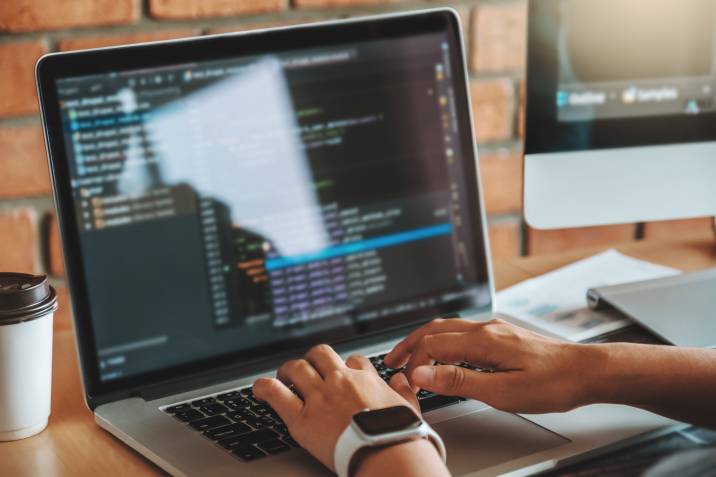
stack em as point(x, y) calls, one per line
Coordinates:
point(505, 240)
point(551, 241)
point(23, 163)
point(83, 43)
point(501, 175)
point(63, 315)
point(492, 108)
point(182, 9)
point(56, 262)
point(678, 228)
point(17, 77)
point(18, 236)
point(339, 3)
point(32, 15)
point(499, 37)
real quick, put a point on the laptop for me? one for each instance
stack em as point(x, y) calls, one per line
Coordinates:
point(225, 202)
point(678, 309)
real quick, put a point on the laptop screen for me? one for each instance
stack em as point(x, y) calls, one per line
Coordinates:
point(248, 204)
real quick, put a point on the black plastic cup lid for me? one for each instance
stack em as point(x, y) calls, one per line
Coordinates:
point(25, 297)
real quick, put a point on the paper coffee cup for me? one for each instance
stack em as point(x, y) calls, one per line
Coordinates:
point(27, 304)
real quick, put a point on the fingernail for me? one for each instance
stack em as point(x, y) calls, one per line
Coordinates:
point(423, 375)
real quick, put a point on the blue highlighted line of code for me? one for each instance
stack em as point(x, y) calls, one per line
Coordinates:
point(360, 246)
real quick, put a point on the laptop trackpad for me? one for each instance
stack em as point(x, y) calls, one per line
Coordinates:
point(490, 437)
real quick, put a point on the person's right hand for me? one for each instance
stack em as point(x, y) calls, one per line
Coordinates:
point(532, 373)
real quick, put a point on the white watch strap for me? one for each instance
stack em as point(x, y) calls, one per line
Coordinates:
point(347, 445)
point(350, 442)
point(437, 441)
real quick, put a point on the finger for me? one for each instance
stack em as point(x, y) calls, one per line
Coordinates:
point(400, 354)
point(301, 374)
point(399, 382)
point(490, 388)
point(357, 361)
point(279, 397)
point(443, 347)
point(324, 359)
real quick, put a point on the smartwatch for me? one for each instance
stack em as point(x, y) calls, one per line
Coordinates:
point(381, 427)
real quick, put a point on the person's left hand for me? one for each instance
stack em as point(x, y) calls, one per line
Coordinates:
point(333, 391)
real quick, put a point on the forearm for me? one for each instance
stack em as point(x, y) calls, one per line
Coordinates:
point(676, 382)
point(414, 458)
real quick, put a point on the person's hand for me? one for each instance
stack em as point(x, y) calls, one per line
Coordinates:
point(333, 391)
point(531, 373)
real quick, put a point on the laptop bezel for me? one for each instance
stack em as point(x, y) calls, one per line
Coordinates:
point(58, 65)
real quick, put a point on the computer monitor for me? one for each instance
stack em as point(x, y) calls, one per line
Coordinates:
point(620, 111)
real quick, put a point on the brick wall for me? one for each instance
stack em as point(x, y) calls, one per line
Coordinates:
point(495, 38)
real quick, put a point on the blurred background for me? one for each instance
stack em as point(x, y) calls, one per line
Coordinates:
point(495, 36)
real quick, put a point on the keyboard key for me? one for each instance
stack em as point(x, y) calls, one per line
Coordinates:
point(209, 423)
point(190, 415)
point(214, 409)
point(248, 453)
point(261, 410)
point(178, 408)
point(274, 446)
point(238, 403)
point(261, 422)
point(226, 432)
point(203, 402)
point(229, 395)
point(437, 401)
point(247, 439)
point(241, 415)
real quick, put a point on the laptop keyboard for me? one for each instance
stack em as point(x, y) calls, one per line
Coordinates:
point(250, 429)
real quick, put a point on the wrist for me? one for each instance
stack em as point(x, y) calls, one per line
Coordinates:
point(374, 460)
point(590, 377)
point(381, 428)
point(617, 373)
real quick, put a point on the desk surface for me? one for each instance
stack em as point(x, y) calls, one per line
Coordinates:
point(74, 445)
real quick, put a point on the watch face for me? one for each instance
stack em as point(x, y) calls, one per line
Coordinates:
point(390, 419)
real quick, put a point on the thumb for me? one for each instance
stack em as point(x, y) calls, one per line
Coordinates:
point(453, 381)
point(399, 383)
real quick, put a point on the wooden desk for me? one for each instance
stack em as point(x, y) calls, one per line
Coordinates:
point(74, 445)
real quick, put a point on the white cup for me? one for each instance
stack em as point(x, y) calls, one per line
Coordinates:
point(27, 304)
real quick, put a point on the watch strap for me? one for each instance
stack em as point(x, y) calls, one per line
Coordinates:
point(350, 442)
point(347, 445)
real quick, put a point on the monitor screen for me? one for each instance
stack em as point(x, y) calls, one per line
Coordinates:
point(257, 203)
point(612, 74)
point(635, 58)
